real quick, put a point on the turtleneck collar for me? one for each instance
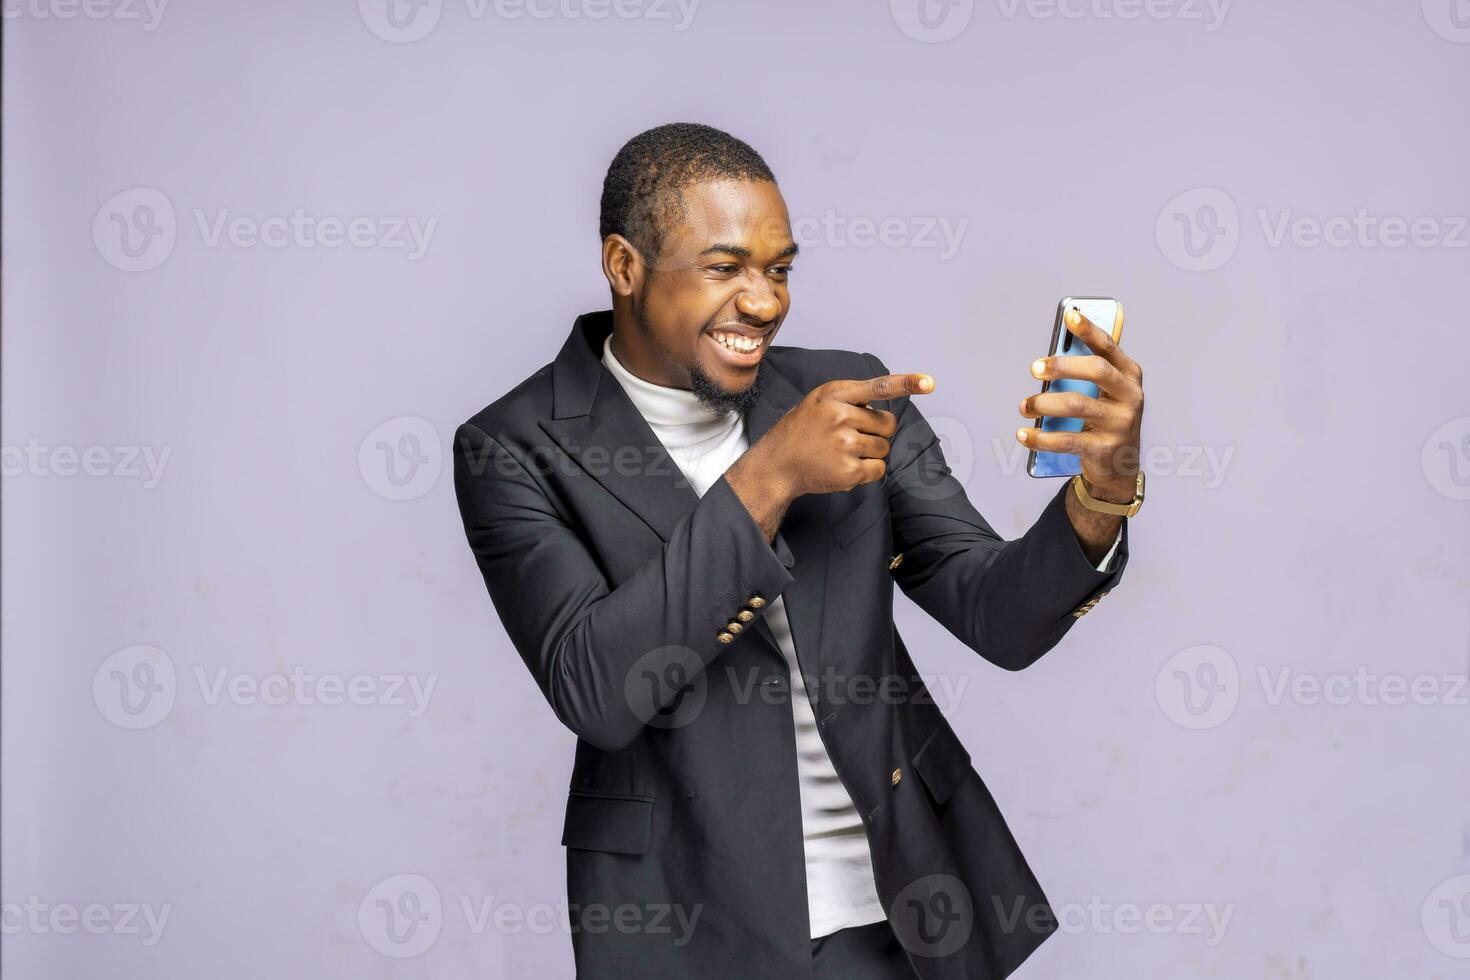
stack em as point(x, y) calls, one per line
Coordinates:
point(664, 406)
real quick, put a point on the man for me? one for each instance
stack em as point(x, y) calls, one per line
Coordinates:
point(691, 537)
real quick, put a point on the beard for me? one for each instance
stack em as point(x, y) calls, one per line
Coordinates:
point(721, 400)
point(711, 394)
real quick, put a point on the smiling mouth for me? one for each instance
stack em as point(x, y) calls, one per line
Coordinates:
point(737, 349)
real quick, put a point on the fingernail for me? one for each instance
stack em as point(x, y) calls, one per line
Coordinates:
point(1021, 435)
point(926, 383)
point(1072, 317)
point(1038, 367)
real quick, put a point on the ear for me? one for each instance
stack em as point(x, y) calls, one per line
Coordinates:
point(623, 266)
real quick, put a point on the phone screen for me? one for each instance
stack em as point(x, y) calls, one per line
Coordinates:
point(1103, 313)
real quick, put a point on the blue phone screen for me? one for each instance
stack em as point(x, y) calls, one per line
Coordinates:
point(1102, 313)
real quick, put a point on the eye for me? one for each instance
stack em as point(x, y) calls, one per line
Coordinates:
point(781, 271)
point(725, 268)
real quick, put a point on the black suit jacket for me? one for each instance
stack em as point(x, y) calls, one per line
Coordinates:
point(637, 605)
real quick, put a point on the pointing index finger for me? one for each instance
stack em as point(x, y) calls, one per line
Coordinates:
point(886, 386)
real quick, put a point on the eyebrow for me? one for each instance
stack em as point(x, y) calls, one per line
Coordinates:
point(788, 252)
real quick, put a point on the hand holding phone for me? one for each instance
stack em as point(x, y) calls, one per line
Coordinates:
point(1090, 408)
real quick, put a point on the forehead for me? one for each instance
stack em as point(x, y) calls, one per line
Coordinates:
point(748, 213)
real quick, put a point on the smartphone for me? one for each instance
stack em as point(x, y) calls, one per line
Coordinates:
point(1103, 312)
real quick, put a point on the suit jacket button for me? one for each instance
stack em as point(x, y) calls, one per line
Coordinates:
point(745, 615)
point(897, 775)
point(755, 601)
point(734, 627)
point(897, 560)
point(726, 637)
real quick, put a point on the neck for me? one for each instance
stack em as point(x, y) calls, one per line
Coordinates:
point(662, 404)
point(634, 349)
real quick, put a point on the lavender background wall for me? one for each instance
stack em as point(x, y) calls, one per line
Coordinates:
point(203, 539)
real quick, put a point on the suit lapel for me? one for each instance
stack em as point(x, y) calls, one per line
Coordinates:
point(595, 423)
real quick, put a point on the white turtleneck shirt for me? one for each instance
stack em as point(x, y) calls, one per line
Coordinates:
point(839, 868)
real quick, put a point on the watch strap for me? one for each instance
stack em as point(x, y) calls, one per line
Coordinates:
point(1107, 506)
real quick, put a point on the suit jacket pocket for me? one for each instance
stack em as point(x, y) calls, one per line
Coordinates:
point(850, 525)
point(615, 822)
point(942, 762)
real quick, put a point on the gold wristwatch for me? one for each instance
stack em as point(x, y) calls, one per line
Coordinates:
point(1107, 506)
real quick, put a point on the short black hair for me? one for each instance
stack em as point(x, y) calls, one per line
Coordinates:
point(641, 191)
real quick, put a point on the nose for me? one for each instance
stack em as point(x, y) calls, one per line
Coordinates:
point(759, 301)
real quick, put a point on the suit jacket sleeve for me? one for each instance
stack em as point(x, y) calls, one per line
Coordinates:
point(607, 659)
point(1009, 601)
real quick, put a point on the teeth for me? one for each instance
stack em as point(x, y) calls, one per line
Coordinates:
point(744, 345)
